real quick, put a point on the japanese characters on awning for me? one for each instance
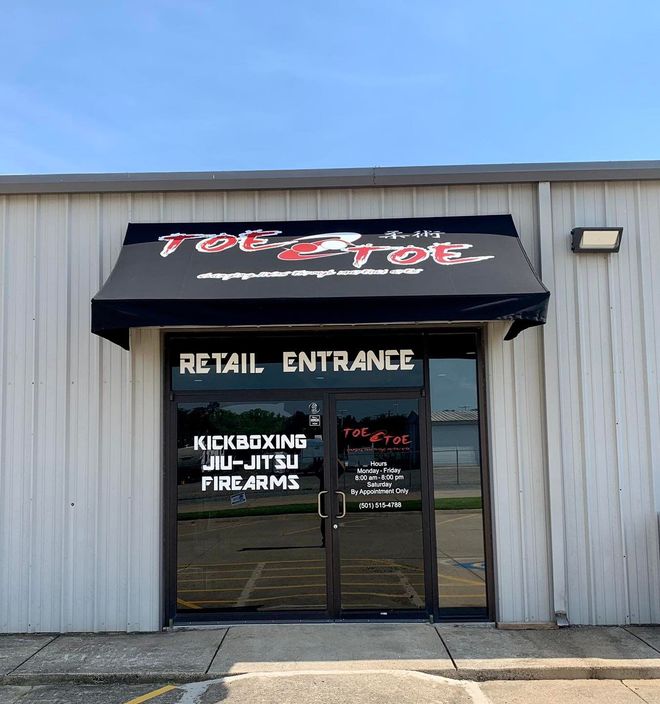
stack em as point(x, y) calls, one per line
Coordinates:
point(412, 270)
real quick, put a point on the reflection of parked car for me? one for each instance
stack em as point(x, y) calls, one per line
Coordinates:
point(360, 458)
point(311, 457)
point(189, 463)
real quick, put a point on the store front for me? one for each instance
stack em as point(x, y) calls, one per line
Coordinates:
point(313, 465)
point(515, 472)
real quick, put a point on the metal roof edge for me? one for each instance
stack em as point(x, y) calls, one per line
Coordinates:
point(330, 178)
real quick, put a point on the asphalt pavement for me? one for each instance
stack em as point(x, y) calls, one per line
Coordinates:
point(343, 688)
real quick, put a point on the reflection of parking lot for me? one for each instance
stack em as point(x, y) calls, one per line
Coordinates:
point(449, 476)
point(460, 551)
point(278, 562)
point(265, 562)
point(274, 584)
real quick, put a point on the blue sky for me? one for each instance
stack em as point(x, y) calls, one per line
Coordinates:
point(192, 85)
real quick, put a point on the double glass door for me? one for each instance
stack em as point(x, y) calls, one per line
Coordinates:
point(302, 505)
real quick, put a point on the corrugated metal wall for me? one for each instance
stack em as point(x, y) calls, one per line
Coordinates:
point(80, 430)
point(603, 350)
point(79, 438)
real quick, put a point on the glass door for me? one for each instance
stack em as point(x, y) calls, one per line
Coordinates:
point(378, 521)
point(251, 490)
point(272, 519)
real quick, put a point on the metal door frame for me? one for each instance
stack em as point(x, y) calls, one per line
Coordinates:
point(432, 602)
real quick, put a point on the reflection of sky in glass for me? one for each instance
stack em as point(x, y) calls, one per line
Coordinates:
point(284, 409)
point(453, 384)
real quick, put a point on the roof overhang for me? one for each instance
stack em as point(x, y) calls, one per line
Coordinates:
point(379, 176)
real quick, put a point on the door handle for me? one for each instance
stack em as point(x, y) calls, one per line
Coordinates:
point(343, 496)
point(318, 504)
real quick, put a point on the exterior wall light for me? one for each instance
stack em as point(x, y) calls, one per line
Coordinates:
point(596, 239)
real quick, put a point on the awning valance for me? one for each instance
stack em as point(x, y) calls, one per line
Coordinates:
point(320, 272)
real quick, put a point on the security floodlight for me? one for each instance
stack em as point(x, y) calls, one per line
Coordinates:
point(596, 239)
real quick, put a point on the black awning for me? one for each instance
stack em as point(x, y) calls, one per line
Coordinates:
point(320, 271)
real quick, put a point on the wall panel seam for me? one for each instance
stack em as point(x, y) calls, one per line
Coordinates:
point(615, 330)
point(554, 473)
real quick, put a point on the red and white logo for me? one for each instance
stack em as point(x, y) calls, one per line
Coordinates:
point(330, 244)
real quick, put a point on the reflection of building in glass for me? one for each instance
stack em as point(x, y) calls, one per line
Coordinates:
point(455, 436)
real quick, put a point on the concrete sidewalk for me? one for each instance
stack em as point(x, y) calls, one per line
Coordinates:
point(460, 652)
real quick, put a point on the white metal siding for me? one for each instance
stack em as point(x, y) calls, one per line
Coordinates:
point(79, 429)
point(80, 419)
point(520, 517)
point(604, 348)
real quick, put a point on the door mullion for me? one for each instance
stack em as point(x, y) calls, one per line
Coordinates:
point(333, 537)
point(428, 509)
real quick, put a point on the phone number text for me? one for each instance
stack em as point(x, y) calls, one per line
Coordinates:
point(371, 505)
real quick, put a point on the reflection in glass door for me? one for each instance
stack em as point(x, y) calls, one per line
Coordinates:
point(457, 485)
point(250, 487)
point(379, 505)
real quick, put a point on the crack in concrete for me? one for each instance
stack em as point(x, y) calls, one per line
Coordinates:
point(217, 650)
point(36, 652)
point(637, 694)
point(627, 630)
point(446, 647)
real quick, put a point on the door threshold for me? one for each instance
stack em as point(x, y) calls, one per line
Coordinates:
point(201, 625)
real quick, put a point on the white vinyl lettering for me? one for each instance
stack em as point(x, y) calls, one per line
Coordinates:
point(340, 360)
point(232, 364)
point(186, 363)
point(199, 443)
point(360, 362)
point(323, 358)
point(306, 362)
point(288, 359)
point(242, 442)
point(407, 363)
point(389, 365)
point(302, 362)
point(278, 482)
point(376, 359)
point(297, 441)
point(217, 358)
point(201, 358)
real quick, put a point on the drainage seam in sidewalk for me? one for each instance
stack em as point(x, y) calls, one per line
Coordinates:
point(217, 650)
point(640, 638)
point(36, 652)
point(451, 657)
